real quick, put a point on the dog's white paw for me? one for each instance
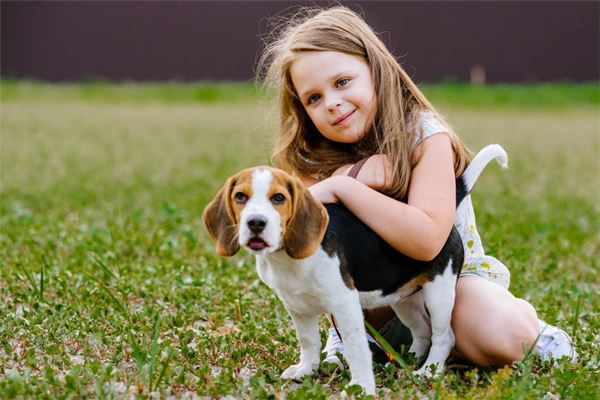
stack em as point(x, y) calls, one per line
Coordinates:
point(298, 371)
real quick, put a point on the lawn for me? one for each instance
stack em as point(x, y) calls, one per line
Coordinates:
point(110, 288)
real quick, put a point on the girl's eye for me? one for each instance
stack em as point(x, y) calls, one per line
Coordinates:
point(313, 99)
point(342, 82)
point(240, 198)
point(278, 198)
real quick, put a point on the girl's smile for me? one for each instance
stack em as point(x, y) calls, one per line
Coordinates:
point(336, 90)
point(343, 118)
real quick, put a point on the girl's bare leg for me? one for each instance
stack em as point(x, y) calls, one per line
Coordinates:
point(491, 326)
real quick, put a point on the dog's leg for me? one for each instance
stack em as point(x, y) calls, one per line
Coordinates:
point(350, 322)
point(439, 299)
point(307, 332)
point(412, 313)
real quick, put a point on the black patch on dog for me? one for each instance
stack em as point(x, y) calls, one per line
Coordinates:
point(461, 191)
point(372, 264)
point(368, 262)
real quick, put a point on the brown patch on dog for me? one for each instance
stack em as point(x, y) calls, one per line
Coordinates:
point(222, 215)
point(243, 184)
point(416, 282)
point(220, 221)
point(348, 280)
point(328, 246)
point(281, 184)
point(307, 223)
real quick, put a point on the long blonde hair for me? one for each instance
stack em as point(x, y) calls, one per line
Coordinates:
point(299, 147)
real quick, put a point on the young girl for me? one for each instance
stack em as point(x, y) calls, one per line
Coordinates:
point(344, 98)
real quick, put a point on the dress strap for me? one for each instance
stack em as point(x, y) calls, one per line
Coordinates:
point(356, 168)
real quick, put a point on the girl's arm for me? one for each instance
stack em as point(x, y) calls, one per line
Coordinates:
point(418, 229)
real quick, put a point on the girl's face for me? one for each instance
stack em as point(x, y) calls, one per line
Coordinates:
point(337, 92)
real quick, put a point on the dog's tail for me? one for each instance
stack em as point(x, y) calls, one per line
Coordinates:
point(467, 180)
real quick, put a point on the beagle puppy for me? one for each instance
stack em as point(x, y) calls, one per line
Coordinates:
point(323, 260)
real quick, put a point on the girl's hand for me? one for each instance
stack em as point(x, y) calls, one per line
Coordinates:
point(375, 173)
point(324, 191)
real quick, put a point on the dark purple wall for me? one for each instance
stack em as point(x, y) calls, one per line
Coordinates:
point(514, 41)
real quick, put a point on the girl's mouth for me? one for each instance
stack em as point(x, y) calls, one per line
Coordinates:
point(343, 118)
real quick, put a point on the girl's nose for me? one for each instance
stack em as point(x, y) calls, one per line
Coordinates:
point(333, 103)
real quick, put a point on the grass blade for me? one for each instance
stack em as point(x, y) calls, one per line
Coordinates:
point(137, 352)
point(164, 369)
point(115, 301)
point(104, 267)
point(397, 359)
point(576, 318)
point(27, 274)
point(153, 352)
point(44, 266)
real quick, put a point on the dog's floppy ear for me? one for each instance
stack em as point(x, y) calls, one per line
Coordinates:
point(306, 226)
point(219, 221)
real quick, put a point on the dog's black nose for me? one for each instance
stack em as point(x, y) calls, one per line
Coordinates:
point(257, 223)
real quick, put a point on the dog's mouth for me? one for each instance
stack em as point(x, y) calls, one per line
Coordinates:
point(257, 244)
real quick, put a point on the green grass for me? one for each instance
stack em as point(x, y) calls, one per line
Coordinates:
point(110, 288)
point(100, 91)
point(554, 95)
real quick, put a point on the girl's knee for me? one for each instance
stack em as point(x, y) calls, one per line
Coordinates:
point(531, 324)
point(518, 329)
point(493, 327)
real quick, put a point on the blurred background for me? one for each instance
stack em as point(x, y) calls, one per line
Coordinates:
point(487, 41)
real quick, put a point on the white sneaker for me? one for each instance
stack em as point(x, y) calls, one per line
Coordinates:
point(332, 348)
point(554, 343)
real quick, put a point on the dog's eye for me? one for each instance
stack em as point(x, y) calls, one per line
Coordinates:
point(240, 198)
point(278, 198)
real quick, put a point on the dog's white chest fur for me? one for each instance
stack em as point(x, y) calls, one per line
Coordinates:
point(305, 286)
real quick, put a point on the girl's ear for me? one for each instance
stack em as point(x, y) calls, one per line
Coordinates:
point(306, 227)
point(220, 223)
